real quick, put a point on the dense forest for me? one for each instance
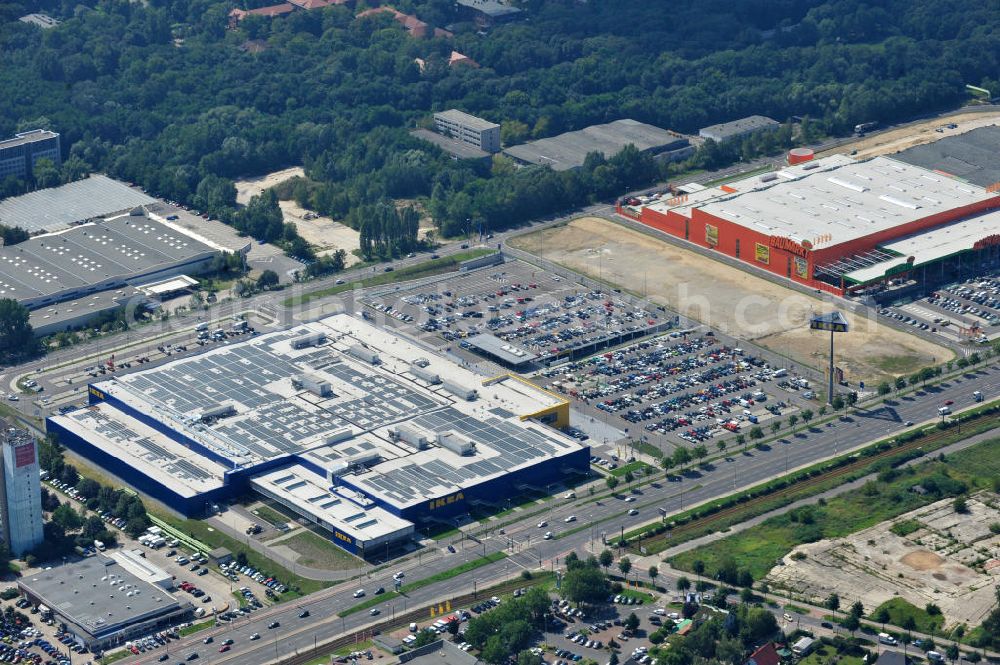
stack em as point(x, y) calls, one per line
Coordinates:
point(161, 93)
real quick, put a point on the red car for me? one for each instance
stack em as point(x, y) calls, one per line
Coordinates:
point(949, 402)
point(224, 648)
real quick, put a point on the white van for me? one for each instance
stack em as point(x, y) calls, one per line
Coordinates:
point(935, 656)
point(944, 411)
point(413, 627)
point(886, 638)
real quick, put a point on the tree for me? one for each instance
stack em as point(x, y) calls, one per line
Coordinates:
point(721, 445)
point(606, 558)
point(683, 583)
point(625, 565)
point(45, 173)
point(851, 623)
point(775, 426)
point(881, 616)
point(631, 622)
point(807, 415)
point(952, 651)
point(756, 433)
point(832, 602)
point(425, 637)
point(698, 566)
point(699, 452)
point(267, 280)
point(793, 420)
point(653, 572)
point(93, 527)
point(961, 505)
point(88, 488)
point(681, 456)
point(611, 482)
point(585, 584)
point(453, 627)
point(900, 383)
point(67, 518)
point(527, 658)
point(746, 595)
point(17, 338)
point(857, 609)
point(884, 388)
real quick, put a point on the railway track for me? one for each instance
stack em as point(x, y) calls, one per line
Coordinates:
point(796, 488)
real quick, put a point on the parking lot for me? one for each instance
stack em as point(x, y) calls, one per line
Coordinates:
point(679, 388)
point(968, 310)
point(29, 636)
point(539, 312)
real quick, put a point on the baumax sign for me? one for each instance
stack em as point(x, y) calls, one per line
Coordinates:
point(789, 245)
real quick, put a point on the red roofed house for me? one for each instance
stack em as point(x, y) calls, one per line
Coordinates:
point(417, 28)
point(765, 655)
point(238, 15)
point(459, 60)
point(310, 4)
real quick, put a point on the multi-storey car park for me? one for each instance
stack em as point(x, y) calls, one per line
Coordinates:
point(352, 427)
point(848, 227)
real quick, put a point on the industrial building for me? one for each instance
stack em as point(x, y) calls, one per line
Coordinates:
point(568, 151)
point(478, 133)
point(102, 604)
point(20, 492)
point(351, 427)
point(737, 129)
point(840, 225)
point(58, 208)
point(68, 277)
point(19, 154)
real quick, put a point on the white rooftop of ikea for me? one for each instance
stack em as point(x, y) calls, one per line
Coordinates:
point(829, 206)
point(358, 412)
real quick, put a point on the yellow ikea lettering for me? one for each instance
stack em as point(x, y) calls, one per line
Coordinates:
point(445, 500)
point(96, 393)
point(341, 536)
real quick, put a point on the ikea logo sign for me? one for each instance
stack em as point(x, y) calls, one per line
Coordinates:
point(96, 393)
point(445, 500)
point(340, 536)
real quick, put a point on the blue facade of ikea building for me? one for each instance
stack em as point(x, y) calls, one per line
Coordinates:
point(236, 480)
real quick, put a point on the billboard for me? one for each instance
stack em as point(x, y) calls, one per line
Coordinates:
point(24, 455)
point(712, 235)
point(801, 267)
point(762, 253)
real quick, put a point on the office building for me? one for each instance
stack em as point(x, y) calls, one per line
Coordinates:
point(20, 492)
point(477, 132)
point(19, 154)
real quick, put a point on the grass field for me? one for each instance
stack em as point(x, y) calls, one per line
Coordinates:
point(637, 469)
point(825, 654)
point(425, 269)
point(270, 515)
point(758, 549)
point(900, 610)
point(318, 552)
point(197, 627)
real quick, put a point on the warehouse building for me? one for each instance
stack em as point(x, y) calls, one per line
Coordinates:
point(487, 13)
point(839, 225)
point(58, 208)
point(102, 604)
point(68, 277)
point(568, 151)
point(351, 427)
point(737, 129)
point(19, 154)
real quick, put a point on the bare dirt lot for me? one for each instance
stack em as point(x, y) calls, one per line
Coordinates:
point(947, 560)
point(728, 299)
point(907, 137)
point(323, 233)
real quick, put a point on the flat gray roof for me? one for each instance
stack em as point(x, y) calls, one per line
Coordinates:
point(491, 8)
point(493, 345)
point(568, 151)
point(725, 130)
point(57, 208)
point(459, 149)
point(971, 156)
point(34, 134)
point(442, 652)
point(98, 594)
point(466, 119)
point(828, 202)
point(109, 251)
point(68, 311)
